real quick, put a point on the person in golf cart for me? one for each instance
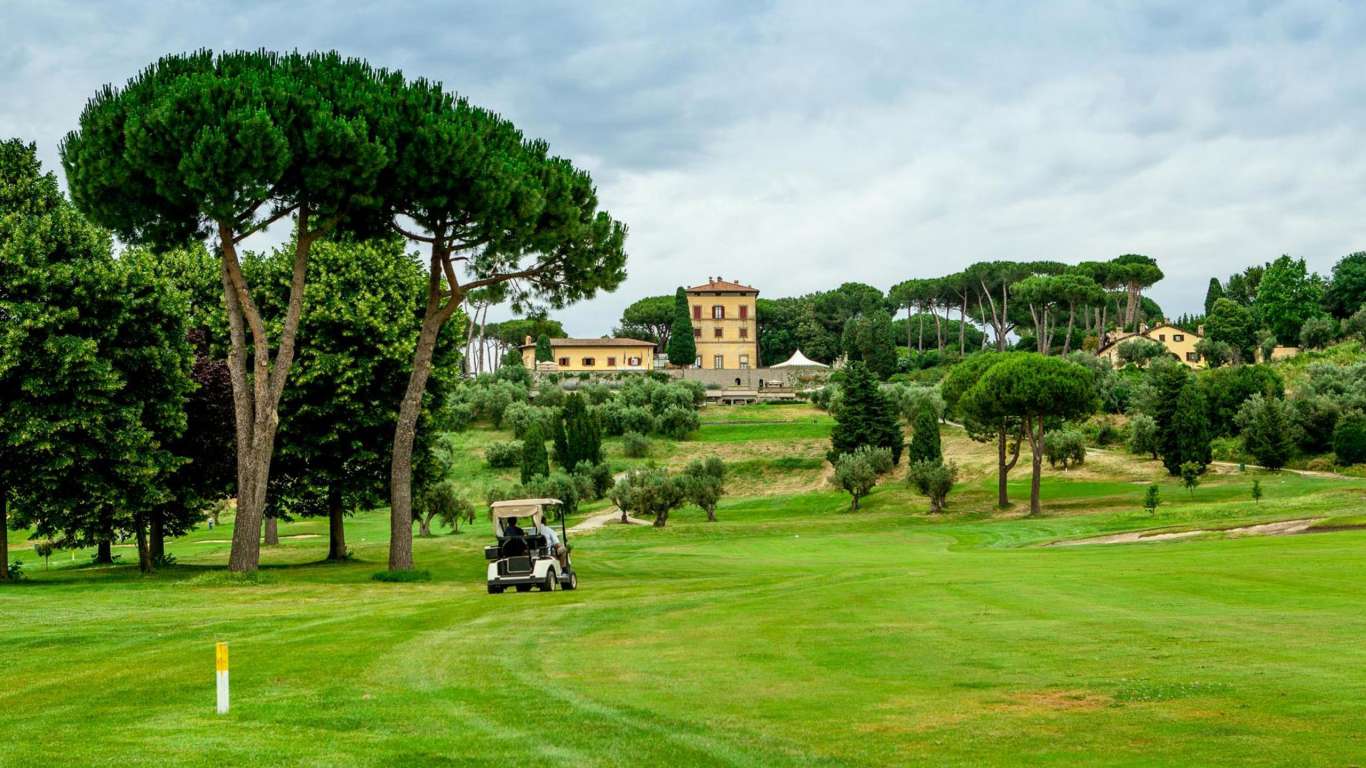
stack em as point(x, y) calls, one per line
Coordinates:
point(530, 557)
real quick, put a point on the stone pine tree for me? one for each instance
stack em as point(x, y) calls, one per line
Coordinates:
point(865, 416)
point(1006, 430)
point(1038, 390)
point(223, 145)
point(925, 443)
point(490, 208)
point(544, 352)
point(535, 462)
point(682, 347)
point(360, 317)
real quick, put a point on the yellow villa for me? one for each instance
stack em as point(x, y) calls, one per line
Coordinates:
point(1180, 343)
point(594, 355)
point(725, 324)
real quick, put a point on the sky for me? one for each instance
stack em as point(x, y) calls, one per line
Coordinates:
point(794, 146)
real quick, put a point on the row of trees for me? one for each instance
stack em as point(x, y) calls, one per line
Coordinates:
point(224, 145)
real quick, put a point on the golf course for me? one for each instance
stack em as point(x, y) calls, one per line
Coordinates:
point(789, 632)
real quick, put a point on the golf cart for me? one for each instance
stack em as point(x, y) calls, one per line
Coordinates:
point(522, 558)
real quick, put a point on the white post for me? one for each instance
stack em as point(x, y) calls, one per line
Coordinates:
point(222, 658)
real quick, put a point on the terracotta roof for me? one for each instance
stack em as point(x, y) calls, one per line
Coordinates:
point(718, 284)
point(594, 343)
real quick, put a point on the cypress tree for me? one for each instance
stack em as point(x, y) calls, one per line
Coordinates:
point(925, 444)
point(1187, 438)
point(682, 348)
point(544, 354)
point(578, 435)
point(1214, 293)
point(535, 463)
point(866, 416)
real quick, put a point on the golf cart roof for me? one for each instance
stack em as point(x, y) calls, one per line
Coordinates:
point(519, 507)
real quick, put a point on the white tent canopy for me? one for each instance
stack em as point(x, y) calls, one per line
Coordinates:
point(798, 360)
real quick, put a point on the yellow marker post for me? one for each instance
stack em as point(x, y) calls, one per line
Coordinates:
point(221, 655)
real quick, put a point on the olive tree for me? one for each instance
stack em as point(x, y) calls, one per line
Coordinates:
point(223, 145)
point(1035, 389)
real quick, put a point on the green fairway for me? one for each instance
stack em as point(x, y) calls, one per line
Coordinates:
point(789, 633)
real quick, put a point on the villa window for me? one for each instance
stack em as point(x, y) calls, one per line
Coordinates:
point(744, 332)
point(697, 333)
point(718, 361)
point(718, 312)
point(744, 311)
point(1178, 337)
point(589, 362)
point(1161, 337)
point(716, 333)
point(634, 362)
point(564, 362)
point(611, 362)
point(744, 361)
point(1194, 357)
point(697, 311)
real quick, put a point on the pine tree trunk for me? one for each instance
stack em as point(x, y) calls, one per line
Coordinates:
point(104, 552)
point(156, 535)
point(405, 432)
point(4, 534)
point(1036, 448)
point(336, 526)
point(272, 532)
point(1067, 342)
point(909, 336)
point(144, 554)
point(938, 329)
point(1002, 496)
point(963, 326)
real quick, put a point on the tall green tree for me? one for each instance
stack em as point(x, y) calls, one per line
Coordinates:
point(1186, 440)
point(578, 434)
point(1213, 293)
point(778, 320)
point(1346, 293)
point(1233, 324)
point(492, 208)
point(682, 346)
point(544, 352)
point(1037, 390)
point(1006, 430)
point(1287, 296)
point(1136, 272)
point(360, 318)
point(925, 442)
point(1267, 428)
point(535, 461)
point(649, 319)
point(226, 144)
point(865, 416)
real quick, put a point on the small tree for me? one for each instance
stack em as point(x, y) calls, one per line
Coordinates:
point(1143, 435)
point(925, 441)
point(1318, 332)
point(1190, 475)
point(682, 347)
point(1257, 491)
point(855, 474)
point(1215, 353)
point(934, 480)
point(535, 462)
point(1187, 437)
point(1268, 430)
point(43, 548)
point(1066, 447)
point(1152, 499)
point(704, 482)
point(544, 352)
point(1140, 351)
point(1349, 439)
point(441, 501)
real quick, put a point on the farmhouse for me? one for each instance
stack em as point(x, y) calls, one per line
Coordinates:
point(725, 324)
point(594, 355)
point(1179, 342)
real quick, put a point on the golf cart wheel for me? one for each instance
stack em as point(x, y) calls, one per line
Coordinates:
point(573, 582)
point(523, 587)
point(494, 589)
point(550, 581)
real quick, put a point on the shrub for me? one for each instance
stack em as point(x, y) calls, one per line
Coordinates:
point(599, 476)
point(1152, 499)
point(677, 422)
point(504, 455)
point(1356, 324)
point(456, 416)
point(934, 480)
point(1215, 353)
point(1066, 447)
point(1318, 332)
point(1140, 351)
point(597, 394)
point(535, 460)
point(618, 419)
point(925, 442)
point(1268, 430)
point(670, 396)
point(549, 394)
point(520, 417)
point(556, 485)
point(1143, 435)
point(513, 371)
point(1349, 439)
point(880, 459)
point(635, 445)
point(1315, 416)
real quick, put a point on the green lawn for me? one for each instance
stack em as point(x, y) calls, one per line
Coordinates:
point(789, 633)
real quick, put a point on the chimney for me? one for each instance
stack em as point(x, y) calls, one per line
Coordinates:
point(1142, 327)
point(528, 340)
point(1200, 330)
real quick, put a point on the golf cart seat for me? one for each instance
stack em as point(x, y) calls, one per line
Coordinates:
point(514, 546)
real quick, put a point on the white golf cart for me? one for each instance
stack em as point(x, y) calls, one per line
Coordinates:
point(523, 557)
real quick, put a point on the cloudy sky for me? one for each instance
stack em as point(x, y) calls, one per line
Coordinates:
point(794, 148)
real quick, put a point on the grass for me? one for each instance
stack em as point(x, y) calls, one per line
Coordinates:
point(790, 633)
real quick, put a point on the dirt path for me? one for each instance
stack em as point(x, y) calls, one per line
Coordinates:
point(1278, 528)
point(609, 516)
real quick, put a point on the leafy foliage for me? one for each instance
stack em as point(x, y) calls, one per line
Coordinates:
point(1066, 447)
point(535, 460)
point(933, 479)
point(1268, 430)
point(925, 442)
point(1349, 439)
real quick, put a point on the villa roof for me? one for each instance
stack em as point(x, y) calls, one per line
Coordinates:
point(720, 285)
point(594, 343)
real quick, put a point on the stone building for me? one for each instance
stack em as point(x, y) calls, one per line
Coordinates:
point(725, 324)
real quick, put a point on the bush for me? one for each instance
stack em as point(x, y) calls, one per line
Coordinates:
point(618, 419)
point(677, 422)
point(535, 460)
point(880, 459)
point(1215, 353)
point(670, 396)
point(456, 417)
point(597, 394)
point(635, 445)
point(1144, 438)
point(556, 485)
point(520, 417)
point(1318, 332)
point(1356, 324)
point(1349, 439)
point(551, 395)
point(1140, 351)
point(934, 480)
point(1268, 430)
point(855, 474)
point(599, 477)
point(504, 455)
point(1066, 447)
point(1315, 416)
